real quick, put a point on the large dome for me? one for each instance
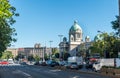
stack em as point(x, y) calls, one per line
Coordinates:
point(75, 27)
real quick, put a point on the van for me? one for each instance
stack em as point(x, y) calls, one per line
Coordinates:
point(10, 61)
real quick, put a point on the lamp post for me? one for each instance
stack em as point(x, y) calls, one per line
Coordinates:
point(44, 54)
point(50, 49)
point(59, 45)
point(119, 18)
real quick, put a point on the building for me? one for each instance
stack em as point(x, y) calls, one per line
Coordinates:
point(64, 47)
point(14, 51)
point(75, 38)
point(75, 43)
point(37, 50)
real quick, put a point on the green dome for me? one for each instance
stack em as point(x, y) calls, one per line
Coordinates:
point(97, 38)
point(75, 27)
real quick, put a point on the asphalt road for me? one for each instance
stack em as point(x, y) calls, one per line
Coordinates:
point(20, 71)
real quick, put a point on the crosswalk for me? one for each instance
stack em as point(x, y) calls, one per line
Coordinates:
point(12, 71)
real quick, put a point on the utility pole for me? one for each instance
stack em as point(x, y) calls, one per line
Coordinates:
point(119, 17)
point(43, 54)
point(50, 49)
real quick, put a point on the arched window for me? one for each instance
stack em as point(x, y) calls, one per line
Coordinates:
point(72, 38)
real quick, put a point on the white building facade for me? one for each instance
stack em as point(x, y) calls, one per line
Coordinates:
point(75, 38)
point(75, 43)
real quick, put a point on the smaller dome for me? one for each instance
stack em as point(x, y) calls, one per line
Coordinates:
point(97, 38)
point(87, 37)
point(75, 27)
point(64, 39)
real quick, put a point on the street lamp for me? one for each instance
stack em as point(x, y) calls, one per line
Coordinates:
point(60, 42)
point(119, 17)
point(50, 49)
point(44, 54)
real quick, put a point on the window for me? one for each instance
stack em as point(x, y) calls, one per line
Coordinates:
point(78, 35)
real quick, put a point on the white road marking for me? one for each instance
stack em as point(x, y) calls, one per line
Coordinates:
point(21, 72)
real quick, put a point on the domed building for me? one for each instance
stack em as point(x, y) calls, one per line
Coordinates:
point(75, 38)
point(75, 43)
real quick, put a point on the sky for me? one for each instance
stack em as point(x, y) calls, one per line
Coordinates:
point(41, 21)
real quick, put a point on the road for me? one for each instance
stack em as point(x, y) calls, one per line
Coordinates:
point(29, 71)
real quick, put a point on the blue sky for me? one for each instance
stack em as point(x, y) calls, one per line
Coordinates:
point(43, 20)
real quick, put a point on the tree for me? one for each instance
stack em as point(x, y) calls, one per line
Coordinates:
point(7, 55)
point(106, 45)
point(97, 48)
point(57, 55)
point(20, 56)
point(37, 58)
point(115, 26)
point(30, 58)
point(46, 56)
point(66, 55)
point(54, 51)
point(7, 12)
point(82, 50)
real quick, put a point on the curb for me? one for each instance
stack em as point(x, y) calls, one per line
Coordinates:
point(79, 71)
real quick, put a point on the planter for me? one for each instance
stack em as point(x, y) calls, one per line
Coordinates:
point(112, 72)
point(116, 71)
point(103, 71)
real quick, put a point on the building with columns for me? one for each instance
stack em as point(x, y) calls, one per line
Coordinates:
point(75, 38)
point(75, 43)
point(37, 50)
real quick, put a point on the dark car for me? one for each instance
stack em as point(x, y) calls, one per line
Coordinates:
point(37, 63)
point(72, 65)
point(89, 64)
point(54, 63)
point(23, 63)
point(43, 64)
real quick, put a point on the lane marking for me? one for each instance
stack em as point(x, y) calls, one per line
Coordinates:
point(21, 72)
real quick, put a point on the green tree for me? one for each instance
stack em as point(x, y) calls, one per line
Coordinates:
point(7, 55)
point(30, 58)
point(115, 26)
point(105, 44)
point(82, 50)
point(46, 56)
point(66, 55)
point(7, 12)
point(97, 48)
point(54, 51)
point(57, 55)
point(116, 48)
point(37, 58)
point(19, 56)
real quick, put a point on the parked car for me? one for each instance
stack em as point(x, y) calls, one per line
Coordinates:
point(48, 62)
point(54, 63)
point(89, 64)
point(72, 65)
point(4, 62)
point(43, 64)
point(10, 61)
point(62, 63)
point(37, 63)
point(23, 63)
